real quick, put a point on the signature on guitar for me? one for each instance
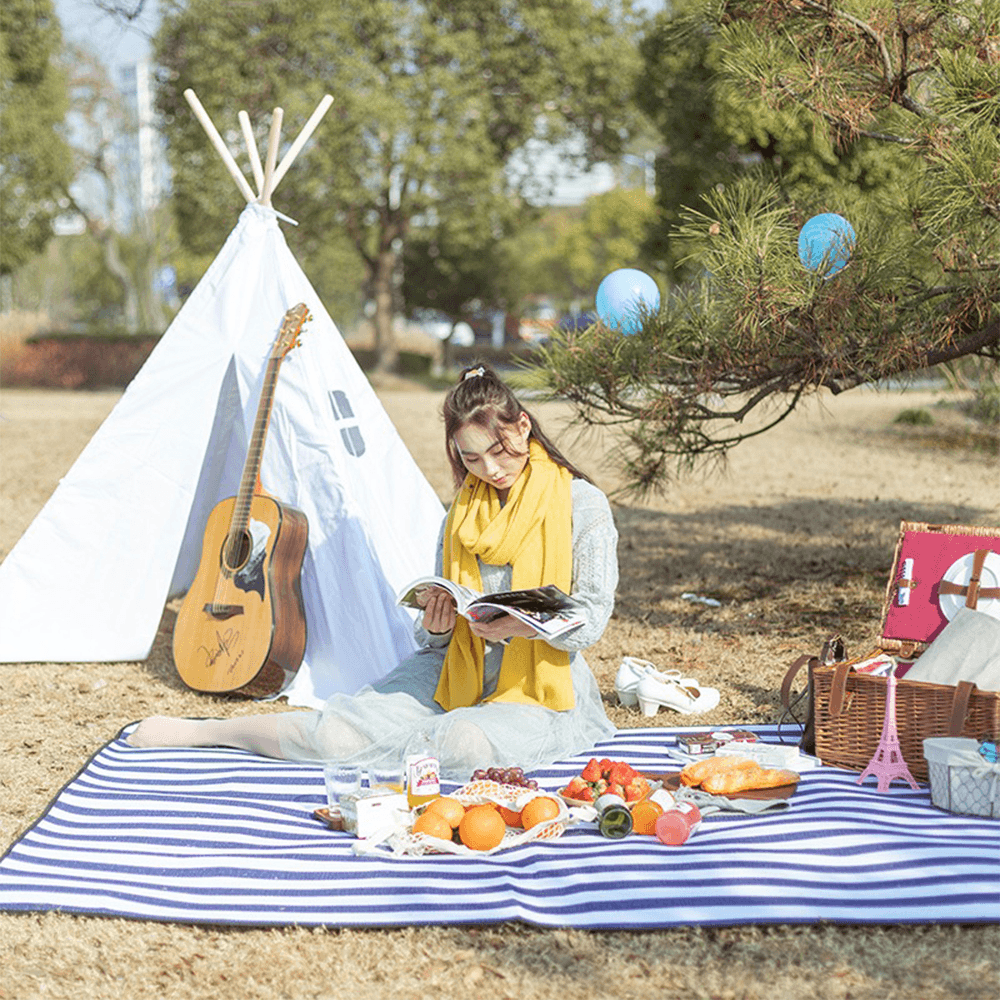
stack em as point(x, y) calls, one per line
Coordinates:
point(227, 640)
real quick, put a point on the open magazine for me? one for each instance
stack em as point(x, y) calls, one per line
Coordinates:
point(546, 609)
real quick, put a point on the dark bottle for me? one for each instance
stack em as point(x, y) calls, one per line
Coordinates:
point(614, 819)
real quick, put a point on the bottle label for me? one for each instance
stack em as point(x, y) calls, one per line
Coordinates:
point(423, 776)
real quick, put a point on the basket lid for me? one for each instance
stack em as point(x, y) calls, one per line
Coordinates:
point(915, 610)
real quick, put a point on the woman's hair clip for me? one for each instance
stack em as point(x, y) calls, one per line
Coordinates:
point(474, 373)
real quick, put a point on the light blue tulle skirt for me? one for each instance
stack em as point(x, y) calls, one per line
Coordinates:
point(397, 716)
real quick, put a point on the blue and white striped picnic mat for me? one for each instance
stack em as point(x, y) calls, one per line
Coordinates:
point(219, 836)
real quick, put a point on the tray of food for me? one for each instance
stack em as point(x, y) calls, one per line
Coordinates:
point(734, 778)
point(607, 777)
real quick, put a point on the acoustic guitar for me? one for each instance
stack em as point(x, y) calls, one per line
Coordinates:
point(242, 627)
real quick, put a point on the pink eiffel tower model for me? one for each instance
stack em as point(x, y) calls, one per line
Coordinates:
point(887, 762)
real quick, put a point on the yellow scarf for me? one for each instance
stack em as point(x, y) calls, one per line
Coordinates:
point(534, 533)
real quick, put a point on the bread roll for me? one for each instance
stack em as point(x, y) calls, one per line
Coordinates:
point(725, 775)
point(695, 774)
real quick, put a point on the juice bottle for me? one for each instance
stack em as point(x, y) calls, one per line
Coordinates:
point(675, 825)
point(423, 781)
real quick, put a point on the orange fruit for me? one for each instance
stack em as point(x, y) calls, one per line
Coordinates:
point(510, 816)
point(450, 810)
point(539, 810)
point(644, 817)
point(433, 825)
point(482, 828)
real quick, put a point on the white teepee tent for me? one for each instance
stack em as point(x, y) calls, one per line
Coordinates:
point(89, 578)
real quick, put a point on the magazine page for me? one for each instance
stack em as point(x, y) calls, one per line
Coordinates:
point(549, 623)
point(534, 599)
point(463, 595)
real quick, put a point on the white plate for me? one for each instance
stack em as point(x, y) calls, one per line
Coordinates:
point(959, 572)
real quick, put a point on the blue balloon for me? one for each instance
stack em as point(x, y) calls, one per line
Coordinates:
point(826, 243)
point(624, 296)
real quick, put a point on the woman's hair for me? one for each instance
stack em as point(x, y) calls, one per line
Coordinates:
point(481, 398)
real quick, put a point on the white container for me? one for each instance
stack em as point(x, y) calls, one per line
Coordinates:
point(962, 781)
point(765, 754)
point(372, 812)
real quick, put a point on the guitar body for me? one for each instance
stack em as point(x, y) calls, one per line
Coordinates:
point(242, 627)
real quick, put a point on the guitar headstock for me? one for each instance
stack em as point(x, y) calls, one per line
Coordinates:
point(291, 327)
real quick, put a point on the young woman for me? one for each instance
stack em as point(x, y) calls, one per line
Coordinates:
point(484, 694)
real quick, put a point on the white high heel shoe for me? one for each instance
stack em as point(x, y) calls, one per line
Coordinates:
point(685, 696)
point(632, 670)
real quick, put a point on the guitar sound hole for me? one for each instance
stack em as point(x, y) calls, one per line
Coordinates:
point(235, 552)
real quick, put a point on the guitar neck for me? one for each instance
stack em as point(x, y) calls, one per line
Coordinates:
point(255, 452)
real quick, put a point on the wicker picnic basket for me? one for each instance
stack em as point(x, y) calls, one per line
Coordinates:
point(847, 708)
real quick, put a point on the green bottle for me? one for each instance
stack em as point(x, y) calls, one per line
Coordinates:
point(614, 819)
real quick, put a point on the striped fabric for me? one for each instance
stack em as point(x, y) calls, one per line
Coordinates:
point(223, 837)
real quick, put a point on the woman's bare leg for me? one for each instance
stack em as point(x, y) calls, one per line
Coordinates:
point(256, 733)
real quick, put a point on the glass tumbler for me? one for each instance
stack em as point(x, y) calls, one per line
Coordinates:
point(386, 776)
point(340, 780)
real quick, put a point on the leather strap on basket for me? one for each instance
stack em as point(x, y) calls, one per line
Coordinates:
point(960, 707)
point(972, 591)
point(838, 689)
point(790, 675)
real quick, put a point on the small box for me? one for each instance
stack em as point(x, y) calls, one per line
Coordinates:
point(369, 815)
point(699, 743)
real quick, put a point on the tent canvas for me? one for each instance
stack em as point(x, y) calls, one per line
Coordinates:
point(89, 578)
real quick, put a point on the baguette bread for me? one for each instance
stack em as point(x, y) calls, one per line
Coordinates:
point(726, 775)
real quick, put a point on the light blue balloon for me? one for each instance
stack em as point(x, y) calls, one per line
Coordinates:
point(826, 243)
point(622, 298)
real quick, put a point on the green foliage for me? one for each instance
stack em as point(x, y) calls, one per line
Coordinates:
point(564, 254)
point(68, 280)
point(717, 121)
point(914, 417)
point(751, 332)
point(431, 100)
point(34, 161)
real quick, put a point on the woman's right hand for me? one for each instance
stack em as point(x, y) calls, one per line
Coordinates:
point(439, 610)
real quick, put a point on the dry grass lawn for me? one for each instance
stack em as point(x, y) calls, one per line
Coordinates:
point(795, 538)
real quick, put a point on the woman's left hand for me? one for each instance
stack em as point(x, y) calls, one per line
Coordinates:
point(502, 628)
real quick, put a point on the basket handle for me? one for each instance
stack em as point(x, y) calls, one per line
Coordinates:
point(832, 651)
point(838, 689)
point(959, 707)
point(790, 675)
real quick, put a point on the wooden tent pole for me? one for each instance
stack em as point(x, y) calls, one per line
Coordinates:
point(220, 147)
point(272, 155)
point(248, 138)
point(300, 141)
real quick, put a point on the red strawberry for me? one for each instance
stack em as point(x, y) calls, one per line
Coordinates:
point(575, 787)
point(614, 789)
point(605, 766)
point(586, 795)
point(620, 773)
point(592, 771)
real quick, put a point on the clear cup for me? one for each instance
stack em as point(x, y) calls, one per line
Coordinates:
point(388, 776)
point(340, 780)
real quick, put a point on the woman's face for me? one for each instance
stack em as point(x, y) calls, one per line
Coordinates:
point(496, 456)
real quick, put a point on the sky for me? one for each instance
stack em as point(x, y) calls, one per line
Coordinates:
point(121, 45)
